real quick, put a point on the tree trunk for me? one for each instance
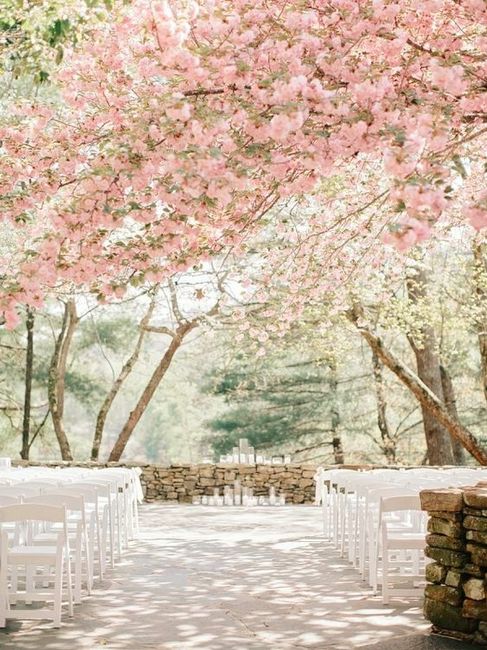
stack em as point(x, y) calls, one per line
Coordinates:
point(422, 392)
point(336, 440)
point(388, 445)
point(148, 392)
point(29, 363)
point(117, 384)
point(438, 441)
point(57, 375)
point(451, 405)
point(480, 281)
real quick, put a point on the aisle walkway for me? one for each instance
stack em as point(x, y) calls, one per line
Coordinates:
point(226, 579)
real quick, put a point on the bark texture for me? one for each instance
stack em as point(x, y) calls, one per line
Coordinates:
point(29, 364)
point(57, 375)
point(336, 440)
point(480, 280)
point(388, 443)
point(451, 405)
point(438, 440)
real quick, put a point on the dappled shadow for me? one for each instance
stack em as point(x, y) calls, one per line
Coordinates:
point(224, 578)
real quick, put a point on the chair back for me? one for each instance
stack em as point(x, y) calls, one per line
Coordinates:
point(400, 502)
point(32, 512)
point(69, 501)
point(8, 500)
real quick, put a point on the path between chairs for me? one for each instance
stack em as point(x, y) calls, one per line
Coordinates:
point(205, 578)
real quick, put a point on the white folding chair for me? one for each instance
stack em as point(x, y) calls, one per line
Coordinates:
point(81, 560)
point(96, 514)
point(407, 539)
point(23, 553)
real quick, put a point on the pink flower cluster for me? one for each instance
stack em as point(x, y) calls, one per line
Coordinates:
point(182, 124)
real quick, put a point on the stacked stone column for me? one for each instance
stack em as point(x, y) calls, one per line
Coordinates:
point(455, 596)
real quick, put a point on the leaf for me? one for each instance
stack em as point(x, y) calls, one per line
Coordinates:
point(59, 55)
point(459, 166)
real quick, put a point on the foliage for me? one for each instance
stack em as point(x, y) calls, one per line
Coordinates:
point(273, 403)
point(33, 36)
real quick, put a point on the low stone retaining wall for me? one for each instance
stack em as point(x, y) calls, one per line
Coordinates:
point(455, 596)
point(182, 482)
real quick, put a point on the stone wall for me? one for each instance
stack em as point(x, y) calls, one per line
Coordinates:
point(455, 596)
point(182, 482)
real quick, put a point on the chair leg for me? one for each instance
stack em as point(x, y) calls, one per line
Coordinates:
point(385, 576)
point(69, 584)
point(29, 582)
point(119, 529)
point(4, 593)
point(87, 562)
point(14, 573)
point(111, 534)
point(100, 548)
point(104, 540)
point(77, 570)
point(58, 591)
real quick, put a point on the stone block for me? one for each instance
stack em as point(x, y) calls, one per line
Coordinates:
point(442, 541)
point(446, 500)
point(477, 536)
point(475, 609)
point(446, 557)
point(206, 481)
point(246, 469)
point(473, 570)
point(475, 523)
point(476, 497)
point(444, 593)
point(474, 588)
point(445, 527)
point(453, 578)
point(447, 617)
point(451, 516)
point(478, 554)
point(435, 573)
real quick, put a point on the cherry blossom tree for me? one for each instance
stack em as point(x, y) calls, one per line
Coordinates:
point(180, 124)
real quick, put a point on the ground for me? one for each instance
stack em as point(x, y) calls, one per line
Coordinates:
point(204, 578)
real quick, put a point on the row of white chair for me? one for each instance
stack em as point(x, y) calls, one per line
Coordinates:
point(374, 518)
point(58, 528)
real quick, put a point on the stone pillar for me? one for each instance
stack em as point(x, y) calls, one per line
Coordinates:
point(455, 594)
